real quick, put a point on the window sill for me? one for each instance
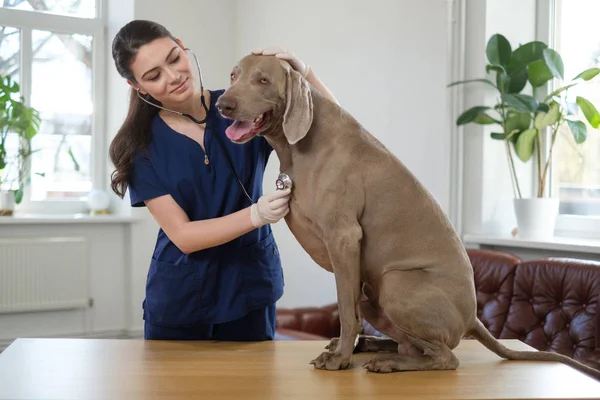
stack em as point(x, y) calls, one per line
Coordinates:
point(66, 219)
point(570, 244)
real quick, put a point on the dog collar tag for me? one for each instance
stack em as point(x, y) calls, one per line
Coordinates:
point(283, 182)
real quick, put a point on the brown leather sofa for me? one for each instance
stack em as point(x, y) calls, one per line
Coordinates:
point(549, 303)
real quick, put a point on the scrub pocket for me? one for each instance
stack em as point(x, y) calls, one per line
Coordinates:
point(173, 293)
point(262, 273)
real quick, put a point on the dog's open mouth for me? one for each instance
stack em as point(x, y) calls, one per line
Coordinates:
point(243, 130)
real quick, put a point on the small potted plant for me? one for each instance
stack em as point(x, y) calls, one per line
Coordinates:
point(528, 124)
point(21, 123)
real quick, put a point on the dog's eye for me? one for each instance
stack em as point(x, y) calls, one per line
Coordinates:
point(264, 81)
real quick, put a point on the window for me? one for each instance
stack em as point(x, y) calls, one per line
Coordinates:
point(576, 174)
point(76, 8)
point(54, 49)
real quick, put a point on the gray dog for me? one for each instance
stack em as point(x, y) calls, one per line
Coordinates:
point(361, 214)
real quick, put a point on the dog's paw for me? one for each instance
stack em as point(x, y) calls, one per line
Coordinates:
point(333, 344)
point(381, 365)
point(331, 361)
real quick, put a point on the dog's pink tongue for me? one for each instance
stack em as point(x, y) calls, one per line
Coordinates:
point(238, 129)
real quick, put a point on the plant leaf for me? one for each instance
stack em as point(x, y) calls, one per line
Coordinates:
point(525, 54)
point(502, 78)
point(471, 81)
point(502, 82)
point(470, 115)
point(554, 63)
point(538, 73)
point(497, 136)
point(559, 91)
point(543, 119)
point(525, 144)
point(589, 111)
point(498, 50)
point(485, 119)
point(520, 102)
point(18, 195)
point(73, 159)
point(588, 74)
point(542, 107)
point(517, 81)
point(517, 121)
point(14, 88)
point(578, 130)
point(497, 68)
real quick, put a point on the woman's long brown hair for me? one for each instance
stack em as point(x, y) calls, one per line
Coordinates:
point(135, 132)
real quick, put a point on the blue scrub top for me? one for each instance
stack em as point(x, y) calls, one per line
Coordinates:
point(221, 283)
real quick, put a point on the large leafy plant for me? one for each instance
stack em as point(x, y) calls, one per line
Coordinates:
point(24, 121)
point(529, 124)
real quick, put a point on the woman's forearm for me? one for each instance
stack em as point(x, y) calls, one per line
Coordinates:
point(190, 236)
point(198, 235)
point(312, 78)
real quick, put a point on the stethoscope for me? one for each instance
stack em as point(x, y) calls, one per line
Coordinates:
point(283, 181)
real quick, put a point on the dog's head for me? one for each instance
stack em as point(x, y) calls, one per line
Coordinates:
point(266, 97)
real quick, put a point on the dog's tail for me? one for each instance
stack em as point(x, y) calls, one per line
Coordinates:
point(488, 340)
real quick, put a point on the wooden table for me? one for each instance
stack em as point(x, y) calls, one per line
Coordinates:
point(137, 369)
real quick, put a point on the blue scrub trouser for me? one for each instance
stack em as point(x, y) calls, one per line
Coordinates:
point(258, 325)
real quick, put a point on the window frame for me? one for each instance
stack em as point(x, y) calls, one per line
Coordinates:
point(27, 21)
point(567, 225)
point(483, 213)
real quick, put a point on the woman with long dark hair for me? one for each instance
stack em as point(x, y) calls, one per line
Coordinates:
point(215, 272)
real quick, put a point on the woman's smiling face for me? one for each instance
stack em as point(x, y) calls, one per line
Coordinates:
point(162, 69)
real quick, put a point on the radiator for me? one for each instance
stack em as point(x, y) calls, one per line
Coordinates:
point(38, 274)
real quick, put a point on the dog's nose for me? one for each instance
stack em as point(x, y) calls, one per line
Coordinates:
point(225, 105)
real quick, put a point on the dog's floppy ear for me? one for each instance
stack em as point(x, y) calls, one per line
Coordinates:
point(298, 115)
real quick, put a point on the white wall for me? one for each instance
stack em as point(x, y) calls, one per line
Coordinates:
point(385, 61)
point(207, 27)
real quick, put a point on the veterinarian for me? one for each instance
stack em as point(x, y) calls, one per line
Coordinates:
point(215, 272)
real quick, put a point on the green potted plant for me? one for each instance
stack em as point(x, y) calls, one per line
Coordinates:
point(528, 124)
point(16, 118)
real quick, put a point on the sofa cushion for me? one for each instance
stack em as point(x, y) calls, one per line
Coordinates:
point(321, 321)
point(494, 276)
point(554, 306)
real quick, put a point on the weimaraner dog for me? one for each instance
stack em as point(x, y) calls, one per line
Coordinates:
point(361, 214)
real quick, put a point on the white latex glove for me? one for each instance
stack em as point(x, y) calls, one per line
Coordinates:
point(270, 208)
point(282, 53)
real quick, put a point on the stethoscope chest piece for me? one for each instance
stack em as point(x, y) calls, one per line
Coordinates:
point(283, 182)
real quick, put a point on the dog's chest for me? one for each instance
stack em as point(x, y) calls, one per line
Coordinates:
point(307, 233)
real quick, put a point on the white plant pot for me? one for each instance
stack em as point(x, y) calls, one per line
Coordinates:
point(7, 202)
point(536, 217)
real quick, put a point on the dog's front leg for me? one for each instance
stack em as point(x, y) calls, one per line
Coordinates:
point(344, 253)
